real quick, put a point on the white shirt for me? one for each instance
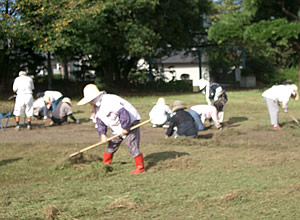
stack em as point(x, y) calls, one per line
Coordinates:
point(23, 85)
point(279, 93)
point(54, 95)
point(216, 96)
point(39, 103)
point(206, 112)
point(109, 105)
point(159, 114)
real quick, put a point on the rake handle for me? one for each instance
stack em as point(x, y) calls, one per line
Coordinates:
point(109, 139)
point(294, 118)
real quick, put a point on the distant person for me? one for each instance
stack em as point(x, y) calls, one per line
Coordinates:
point(114, 112)
point(23, 87)
point(62, 112)
point(215, 95)
point(52, 98)
point(40, 109)
point(276, 95)
point(181, 123)
point(200, 113)
point(160, 114)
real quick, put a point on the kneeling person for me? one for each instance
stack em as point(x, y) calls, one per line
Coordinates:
point(62, 111)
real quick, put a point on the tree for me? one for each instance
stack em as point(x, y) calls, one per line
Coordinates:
point(269, 28)
point(118, 33)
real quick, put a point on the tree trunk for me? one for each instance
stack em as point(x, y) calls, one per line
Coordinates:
point(50, 71)
point(66, 70)
point(299, 70)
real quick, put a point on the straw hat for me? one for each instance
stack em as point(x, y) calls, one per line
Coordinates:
point(161, 101)
point(22, 73)
point(203, 83)
point(295, 91)
point(177, 105)
point(67, 100)
point(90, 92)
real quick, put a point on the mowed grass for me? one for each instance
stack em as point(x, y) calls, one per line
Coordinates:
point(245, 171)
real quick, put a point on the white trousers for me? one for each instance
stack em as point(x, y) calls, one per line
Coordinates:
point(24, 104)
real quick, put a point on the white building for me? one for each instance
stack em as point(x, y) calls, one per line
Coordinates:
point(183, 66)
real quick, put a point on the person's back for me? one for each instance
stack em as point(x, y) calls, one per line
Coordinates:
point(184, 123)
point(62, 109)
point(160, 113)
point(181, 122)
point(23, 85)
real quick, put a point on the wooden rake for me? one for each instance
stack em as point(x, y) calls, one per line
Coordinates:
point(294, 118)
point(109, 139)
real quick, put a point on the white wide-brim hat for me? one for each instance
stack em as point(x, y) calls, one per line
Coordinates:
point(90, 92)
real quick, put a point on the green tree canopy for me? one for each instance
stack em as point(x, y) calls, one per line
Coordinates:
point(264, 28)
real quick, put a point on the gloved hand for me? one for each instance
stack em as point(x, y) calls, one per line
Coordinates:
point(77, 121)
point(286, 110)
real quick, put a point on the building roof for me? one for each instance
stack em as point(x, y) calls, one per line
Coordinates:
point(181, 57)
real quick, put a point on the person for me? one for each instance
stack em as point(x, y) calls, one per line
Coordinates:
point(52, 98)
point(276, 95)
point(215, 95)
point(62, 111)
point(160, 114)
point(181, 123)
point(200, 113)
point(23, 87)
point(39, 109)
point(117, 114)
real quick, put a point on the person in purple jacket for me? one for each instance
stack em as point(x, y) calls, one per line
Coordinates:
point(114, 112)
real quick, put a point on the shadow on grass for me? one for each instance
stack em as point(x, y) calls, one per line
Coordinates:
point(153, 159)
point(205, 136)
point(4, 162)
point(233, 120)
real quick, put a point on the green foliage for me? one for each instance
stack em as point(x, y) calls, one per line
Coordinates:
point(263, 29)
point(287, 74)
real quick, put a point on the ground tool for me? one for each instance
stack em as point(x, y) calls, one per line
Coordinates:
point(294, 118)
point(109, 139)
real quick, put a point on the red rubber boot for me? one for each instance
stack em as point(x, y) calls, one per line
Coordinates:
point(107, 158)
point(139, 163)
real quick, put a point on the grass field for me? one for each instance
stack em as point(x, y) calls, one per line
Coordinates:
point(245, 171)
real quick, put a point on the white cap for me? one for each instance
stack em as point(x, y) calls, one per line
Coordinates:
point(295, 91)
point(161, 101)
point(66, 100)
point(22, 73)
point(203, 83)
point(90, 92)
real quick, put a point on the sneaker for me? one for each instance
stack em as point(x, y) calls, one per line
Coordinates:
point(29, 127)
point(154, 126)
point(276, 127)
point(17, 128)
point(165, 126)
point(52, 123)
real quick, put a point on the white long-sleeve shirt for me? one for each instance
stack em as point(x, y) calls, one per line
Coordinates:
point(207, 112)
point(53, 95)
point(279, 93)
point(159, 114)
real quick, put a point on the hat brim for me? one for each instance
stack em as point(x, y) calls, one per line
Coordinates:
point(86, 100)
point(178, 108)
